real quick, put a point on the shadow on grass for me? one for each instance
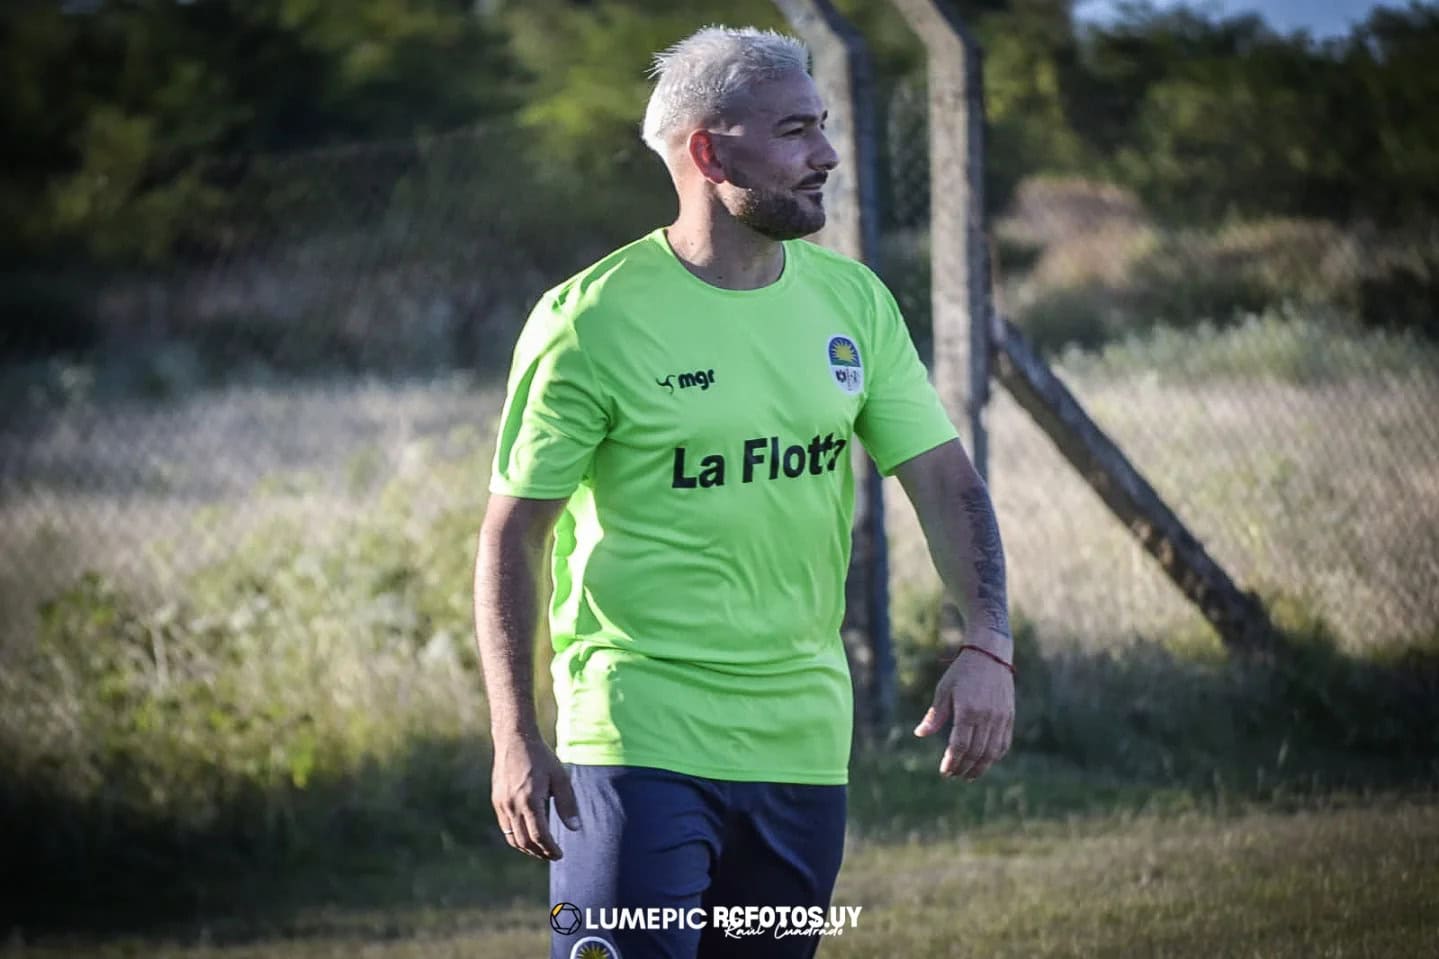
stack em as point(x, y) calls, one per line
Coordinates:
point(1144, 728)
point(269, 855)
point(1099, 735)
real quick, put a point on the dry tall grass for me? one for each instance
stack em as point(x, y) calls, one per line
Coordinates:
point(1326, 494)
point(147, 493)
point(1319, 485)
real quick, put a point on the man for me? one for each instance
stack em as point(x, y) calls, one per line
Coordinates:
point(679, 417)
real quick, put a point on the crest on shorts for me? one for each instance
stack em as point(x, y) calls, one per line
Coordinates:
point(593, 947)
point(845, 364)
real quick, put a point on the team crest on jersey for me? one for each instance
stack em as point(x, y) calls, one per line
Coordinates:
point(593, 947)
point(845, 364)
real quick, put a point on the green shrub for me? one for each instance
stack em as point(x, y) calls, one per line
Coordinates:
point(1184, 712)
point(1279, 344)
point(1077, 317)
point(310, 686)
point(1399, 286)
point(46, 313)
point(1094, 268)
point(1187, 279)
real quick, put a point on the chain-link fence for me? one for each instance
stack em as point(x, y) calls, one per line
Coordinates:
point(1250, 372)
point(338, 326)
point(1260, 375)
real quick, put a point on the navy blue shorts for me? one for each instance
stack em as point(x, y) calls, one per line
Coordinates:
point(656, 840)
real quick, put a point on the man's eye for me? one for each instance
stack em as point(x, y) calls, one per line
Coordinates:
point(795, 132)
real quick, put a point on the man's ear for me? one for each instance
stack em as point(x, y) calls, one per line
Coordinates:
point(704, 154)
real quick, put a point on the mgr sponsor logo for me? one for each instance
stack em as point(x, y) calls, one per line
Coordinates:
point(704, 379)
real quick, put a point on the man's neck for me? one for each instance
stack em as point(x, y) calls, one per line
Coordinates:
point(724, 252)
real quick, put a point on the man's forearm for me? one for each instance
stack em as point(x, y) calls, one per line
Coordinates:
point(508, 577)
point(962, 531)
point(985, 587)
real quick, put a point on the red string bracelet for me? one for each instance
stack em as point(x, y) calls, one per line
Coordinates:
point(980, 649)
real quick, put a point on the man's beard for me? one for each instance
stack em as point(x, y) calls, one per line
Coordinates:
point(778, 214)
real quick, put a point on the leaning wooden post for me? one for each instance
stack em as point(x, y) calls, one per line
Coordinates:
point(962, 299)
point(959, 254)
point(841, 71)
point(1239, 617)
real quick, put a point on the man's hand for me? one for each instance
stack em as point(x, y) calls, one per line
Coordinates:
point(509, 564)
point(978, 695)
point(526, 775)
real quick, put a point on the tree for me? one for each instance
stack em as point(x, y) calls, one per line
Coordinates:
point(587, 68)
point(125, 107)
point(1389, 66)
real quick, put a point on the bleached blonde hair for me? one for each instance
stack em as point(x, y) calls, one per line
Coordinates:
point(699, 79)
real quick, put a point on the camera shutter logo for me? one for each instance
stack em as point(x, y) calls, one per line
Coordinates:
point(845, 364)
point(565, 918)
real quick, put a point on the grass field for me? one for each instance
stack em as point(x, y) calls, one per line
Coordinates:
point(1337, 880)
point(276, 561)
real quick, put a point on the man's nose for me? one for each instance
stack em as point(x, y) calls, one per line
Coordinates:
point(825, 157)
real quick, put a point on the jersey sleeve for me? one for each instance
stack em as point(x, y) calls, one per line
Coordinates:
point(555, 412)
point(902, 415)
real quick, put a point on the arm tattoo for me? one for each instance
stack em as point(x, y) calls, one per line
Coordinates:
point(993, 608)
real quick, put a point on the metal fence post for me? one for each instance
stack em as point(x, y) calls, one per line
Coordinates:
point(842, 73)
point(958, 252)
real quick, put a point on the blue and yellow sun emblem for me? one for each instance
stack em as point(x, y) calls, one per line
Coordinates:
point(594, 948)
point(843, 352)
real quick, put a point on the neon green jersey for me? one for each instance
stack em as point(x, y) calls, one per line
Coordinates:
point(702, 438)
